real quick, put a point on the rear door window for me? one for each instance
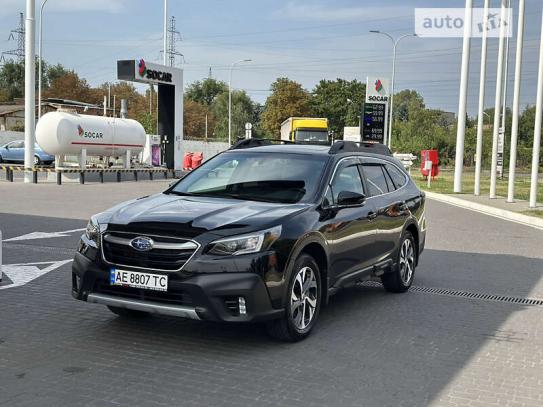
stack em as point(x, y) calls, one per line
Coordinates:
point(375, 179)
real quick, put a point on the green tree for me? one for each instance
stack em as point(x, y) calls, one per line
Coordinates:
point(12, 81)
point(405, 102)
point(70, 86)
point(137, 103)
point(242, 112)
point(148, 121)
point(194, 122)
point(206, 91)
point(339, 101)
point(52, 72)
point(12, 77)
point(288, 99)
point(526, 126)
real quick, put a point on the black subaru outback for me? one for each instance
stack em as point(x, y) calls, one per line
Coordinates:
point(257, 233)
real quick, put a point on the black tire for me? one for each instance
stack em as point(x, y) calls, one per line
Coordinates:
point(128, 313)
point(37, 160)
point(398, 281)
point(285, 328)
point(1, 159)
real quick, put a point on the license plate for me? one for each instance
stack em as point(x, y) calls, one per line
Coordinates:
point(136, 279)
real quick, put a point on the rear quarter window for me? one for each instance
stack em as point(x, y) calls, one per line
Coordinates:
point(398, 177)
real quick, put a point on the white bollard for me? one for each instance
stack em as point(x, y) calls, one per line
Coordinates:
point(428, 167)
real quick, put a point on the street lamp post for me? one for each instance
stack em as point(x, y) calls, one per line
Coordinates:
point(30, 88)
point(40, 41)
point(230, 98)
point(165, 34)
point(395, 43)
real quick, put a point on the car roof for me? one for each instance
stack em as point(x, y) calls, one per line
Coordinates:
point(309, 149)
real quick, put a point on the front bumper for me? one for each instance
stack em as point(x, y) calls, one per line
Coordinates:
point(210, 296)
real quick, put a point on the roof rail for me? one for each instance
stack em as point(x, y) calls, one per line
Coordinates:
point(256, 142)
point(359, 147)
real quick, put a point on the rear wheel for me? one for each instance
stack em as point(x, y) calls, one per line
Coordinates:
point(303, 303)
point(128, 313)
point(400, 280)
point(37, 160)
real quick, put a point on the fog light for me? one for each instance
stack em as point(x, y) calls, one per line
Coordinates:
point(242, 307)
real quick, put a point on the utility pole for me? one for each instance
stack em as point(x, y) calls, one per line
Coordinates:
point(40, 57)
point(461, 132)
point(395, 43)
point(516, 103)
point(537, 130)
point(498, 103)
point(481, 115)
point(165, 34)
point(151, 99)
point(30, 88)
point(501, 134)
point(18, 53)
point(173, 37)
point(230, 98)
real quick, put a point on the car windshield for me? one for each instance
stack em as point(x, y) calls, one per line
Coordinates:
point(312, 136)
point(268, 177)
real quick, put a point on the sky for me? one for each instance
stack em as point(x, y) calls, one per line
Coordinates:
point(304, 40)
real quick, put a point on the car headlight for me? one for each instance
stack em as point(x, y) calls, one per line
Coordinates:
point(243, 244)
point(94, 229)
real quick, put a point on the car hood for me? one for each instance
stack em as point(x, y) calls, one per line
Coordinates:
point(191, 216)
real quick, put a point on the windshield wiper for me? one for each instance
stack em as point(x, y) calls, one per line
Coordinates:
point(180, 193)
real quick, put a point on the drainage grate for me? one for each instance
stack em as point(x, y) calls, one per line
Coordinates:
point(467, 294)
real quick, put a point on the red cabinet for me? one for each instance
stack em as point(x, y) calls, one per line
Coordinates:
point(426, 156)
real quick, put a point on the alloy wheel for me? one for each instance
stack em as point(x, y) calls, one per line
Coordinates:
point(303, 299)
point(407, 261)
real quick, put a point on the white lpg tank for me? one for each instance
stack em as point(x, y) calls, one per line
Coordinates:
point(65, 133)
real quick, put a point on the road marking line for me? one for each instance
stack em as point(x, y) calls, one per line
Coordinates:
point(21, 274)
point(503, 214)
point(43, 235)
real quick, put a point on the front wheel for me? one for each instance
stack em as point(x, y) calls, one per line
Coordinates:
point(37, 160)
point(401, 278)
point(303, 302)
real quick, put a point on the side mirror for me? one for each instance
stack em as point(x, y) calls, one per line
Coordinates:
point(348, 198)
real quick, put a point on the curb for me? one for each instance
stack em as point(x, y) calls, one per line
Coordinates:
point(525, 220)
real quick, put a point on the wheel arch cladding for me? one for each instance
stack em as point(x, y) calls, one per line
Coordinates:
point(318, 253)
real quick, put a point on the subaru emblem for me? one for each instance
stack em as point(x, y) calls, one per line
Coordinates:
point(142, 244)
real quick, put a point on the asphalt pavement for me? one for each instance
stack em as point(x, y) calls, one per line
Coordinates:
point(470, 333)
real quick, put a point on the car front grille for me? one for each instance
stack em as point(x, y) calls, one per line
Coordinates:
point(167, 254)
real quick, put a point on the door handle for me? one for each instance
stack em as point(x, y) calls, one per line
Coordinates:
point(372, 215)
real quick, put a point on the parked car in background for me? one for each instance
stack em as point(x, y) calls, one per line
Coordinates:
point(14, 152)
